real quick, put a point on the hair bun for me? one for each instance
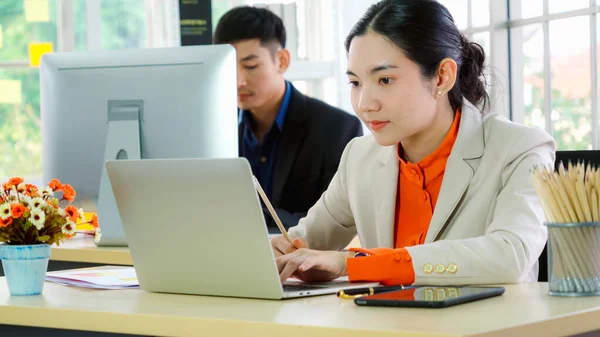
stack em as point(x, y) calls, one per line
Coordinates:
point(471, 77)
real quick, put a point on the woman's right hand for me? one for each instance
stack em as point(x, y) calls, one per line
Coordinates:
point(281, 246)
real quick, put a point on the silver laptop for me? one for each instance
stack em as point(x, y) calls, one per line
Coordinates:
point(196, 226)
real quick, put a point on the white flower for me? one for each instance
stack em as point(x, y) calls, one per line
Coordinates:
point(38, 203)
point(81, 214)
point(69, 228)
point(97, 235)
point(5, 211)
point(21, 188)
point(26, 201)
point(12, 199)
point(47, 192)
point(37, 218)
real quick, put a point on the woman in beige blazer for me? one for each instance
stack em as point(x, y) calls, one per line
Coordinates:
point(410, 71)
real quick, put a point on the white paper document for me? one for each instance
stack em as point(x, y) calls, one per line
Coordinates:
point(121, 278)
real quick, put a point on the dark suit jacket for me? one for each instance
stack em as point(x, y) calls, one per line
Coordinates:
point(314, 137)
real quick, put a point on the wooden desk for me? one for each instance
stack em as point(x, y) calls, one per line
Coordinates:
point(524, 310)
point(84, 250)
point(81, 252)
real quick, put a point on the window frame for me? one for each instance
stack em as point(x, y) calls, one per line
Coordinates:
point(516, 56)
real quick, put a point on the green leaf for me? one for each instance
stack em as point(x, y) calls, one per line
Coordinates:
point(43, 238)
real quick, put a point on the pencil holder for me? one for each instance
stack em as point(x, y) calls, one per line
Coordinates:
point(574, 259)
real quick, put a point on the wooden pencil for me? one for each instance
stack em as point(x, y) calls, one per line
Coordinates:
point(271, 210)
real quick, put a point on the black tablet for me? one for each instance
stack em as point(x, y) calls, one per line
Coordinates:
point(429, 297)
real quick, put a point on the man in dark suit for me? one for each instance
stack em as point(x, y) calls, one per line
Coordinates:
point(293, 142)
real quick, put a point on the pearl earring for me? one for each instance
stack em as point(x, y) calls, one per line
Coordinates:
point(439, 93)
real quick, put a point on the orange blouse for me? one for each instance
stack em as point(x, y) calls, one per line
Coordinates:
point(418, 189)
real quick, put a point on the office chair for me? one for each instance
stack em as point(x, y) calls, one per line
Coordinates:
point(591, 157)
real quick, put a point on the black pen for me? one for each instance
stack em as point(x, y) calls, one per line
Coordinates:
point(358, 292)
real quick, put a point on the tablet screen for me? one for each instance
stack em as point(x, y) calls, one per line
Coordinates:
point(432, 294)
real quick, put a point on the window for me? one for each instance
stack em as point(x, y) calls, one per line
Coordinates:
point(553, 69)
point(559, 6)
point(570, 80)
point(20, 138)
point(532, 75)
point(123, 24)
point(68, 25)
point(554, 80)
point(460, 12)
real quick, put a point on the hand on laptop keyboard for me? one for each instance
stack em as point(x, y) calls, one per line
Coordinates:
point(312, 265)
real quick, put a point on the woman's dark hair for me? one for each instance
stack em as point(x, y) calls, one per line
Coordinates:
point(425, 31)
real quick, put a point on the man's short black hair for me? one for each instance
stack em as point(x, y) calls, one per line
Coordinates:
point(247, 23)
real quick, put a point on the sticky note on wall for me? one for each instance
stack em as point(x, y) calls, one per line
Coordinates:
point(10, 92)
point(36, 10)
point(36, 50)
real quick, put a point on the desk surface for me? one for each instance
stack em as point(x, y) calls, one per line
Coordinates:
point(83, 249)
point(524, 310)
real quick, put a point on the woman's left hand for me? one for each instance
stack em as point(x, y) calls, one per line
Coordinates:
point(311, 265)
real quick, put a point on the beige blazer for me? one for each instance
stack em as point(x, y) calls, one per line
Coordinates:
point(487, 226)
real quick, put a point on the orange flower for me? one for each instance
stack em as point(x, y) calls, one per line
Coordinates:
point(31, 188)
point(94, 221)
point(68, 193)
point(55, 185)
point(14, 181)
point(72, 213)
point(5, 222)
point(18, 210)
point(6, 186)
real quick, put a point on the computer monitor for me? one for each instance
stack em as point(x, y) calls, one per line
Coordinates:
point(133, 104)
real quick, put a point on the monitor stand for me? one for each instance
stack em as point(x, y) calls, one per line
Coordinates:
point(122, 142)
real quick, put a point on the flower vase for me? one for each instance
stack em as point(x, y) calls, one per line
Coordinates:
point(25, 267)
